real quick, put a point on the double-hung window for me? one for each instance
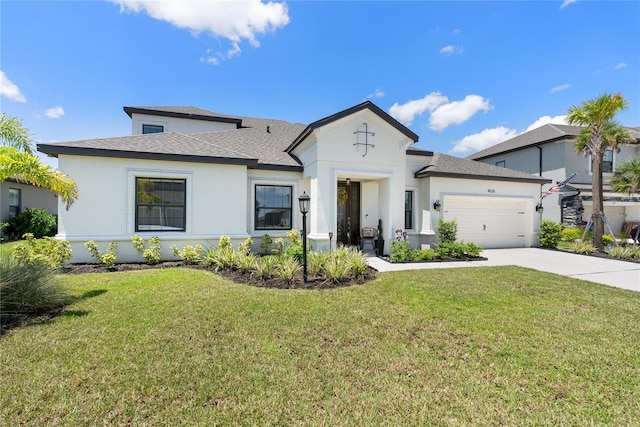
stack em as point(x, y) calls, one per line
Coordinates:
point(160, 204)
point(408, 210)
point(273, 207)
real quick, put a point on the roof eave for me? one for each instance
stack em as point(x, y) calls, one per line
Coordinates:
point(531, 180)
point(132, 110)
point(99, 152)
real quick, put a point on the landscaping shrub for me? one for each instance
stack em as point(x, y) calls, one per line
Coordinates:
point(27, 288)
point(247, 262)
point(46, 251)
point(550, 233)
point(225, 243)
point(447, 230)
point(245, 247)
point(265, 244)
point(224, 258)
point(109, 258)
point(287, 268)
point(622, 252)
point(315, 261)
point(335, 269)
point(265, 267)
point(401, 251)
point(585, 247)
point(35, 221)
point(188, 254)
point(358, 262)
point(152, 254)
point(607, 239)
point(424, 255)
point(571, 234)
point(451, 250)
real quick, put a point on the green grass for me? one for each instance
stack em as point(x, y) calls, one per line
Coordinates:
point(468, 346)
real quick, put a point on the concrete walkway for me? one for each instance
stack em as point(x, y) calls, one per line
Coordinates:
point(621, 274)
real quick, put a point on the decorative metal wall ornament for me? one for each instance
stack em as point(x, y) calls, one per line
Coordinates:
point(366, 134)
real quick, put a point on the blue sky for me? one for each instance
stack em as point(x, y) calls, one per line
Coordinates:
point(462, 75)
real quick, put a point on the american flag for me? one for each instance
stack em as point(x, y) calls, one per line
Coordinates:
point(558, 186)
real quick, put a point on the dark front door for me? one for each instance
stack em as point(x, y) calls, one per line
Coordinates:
point(348, 212)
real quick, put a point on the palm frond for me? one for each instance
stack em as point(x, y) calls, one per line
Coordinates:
point(27, 168)
point(14, 134)
point(626, 177)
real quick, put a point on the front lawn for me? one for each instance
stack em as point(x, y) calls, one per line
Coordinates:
point(481, 346)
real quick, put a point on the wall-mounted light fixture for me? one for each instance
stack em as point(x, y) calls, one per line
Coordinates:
point(539, 208)
point(436, 205)
point(348, 181)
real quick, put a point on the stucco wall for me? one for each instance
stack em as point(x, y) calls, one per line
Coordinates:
point(105, 210)
point(174, 124)
point(31, 197)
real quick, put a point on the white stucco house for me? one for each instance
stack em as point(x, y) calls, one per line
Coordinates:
point(190, 175)
point(549, 152)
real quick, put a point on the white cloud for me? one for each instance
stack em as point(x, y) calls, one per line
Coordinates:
point(619, 65)
point(55, 112)
point(558, 120)
point(457, 112)
point(481, 140)
point(10, 89)
point(560, 87)
point(407, 112)
point(450, 50)
point(566, 3)
point(232, 20)
point(377, 94)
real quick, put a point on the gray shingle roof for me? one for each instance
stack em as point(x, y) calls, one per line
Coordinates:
point(454, 167)
point(541, 135)
point(169, 146)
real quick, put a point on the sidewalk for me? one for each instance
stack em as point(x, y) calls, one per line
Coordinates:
point(620, 274)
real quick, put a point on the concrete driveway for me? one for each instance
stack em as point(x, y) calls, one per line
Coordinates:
point(621, 274)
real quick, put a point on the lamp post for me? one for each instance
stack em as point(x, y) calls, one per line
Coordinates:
point(304, 201)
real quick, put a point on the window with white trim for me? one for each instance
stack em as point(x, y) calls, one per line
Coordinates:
point(273, 207)
point(14, 201)
point(408, 210)
point(160, 204)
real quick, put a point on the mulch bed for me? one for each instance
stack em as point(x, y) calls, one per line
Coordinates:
point(233, 275)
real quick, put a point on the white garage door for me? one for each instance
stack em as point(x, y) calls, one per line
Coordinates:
point(490, 222)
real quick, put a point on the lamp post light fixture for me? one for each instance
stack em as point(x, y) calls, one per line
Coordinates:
point(304, 201)
point(330, 237)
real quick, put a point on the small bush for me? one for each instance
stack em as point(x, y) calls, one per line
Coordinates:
point(585, 247)
point(571, 234)
point(424, 255)
point(315, 261)
point(46, 251)
point(358, 262)
point(265, 244)
point(27, 288)
point(451, 250)
point(293, 236)
point(245, 247)
point(265, 267)
point(550, 233)
point(607, 239)
point(188, 254)
point(287, 269)
point(225, 243)
point(447, 230)
point(247, 262)
point(400, 251)
point(335, 269)
point(35, 221)
point(225, 258)
point(472, 250)
point(152, 254)
point(622, 252)
point(108, 258)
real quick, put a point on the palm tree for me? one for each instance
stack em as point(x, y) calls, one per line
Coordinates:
point(599, 133)
point(626, 177)
point(18, 162)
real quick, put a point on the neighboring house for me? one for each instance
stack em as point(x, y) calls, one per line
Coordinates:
point(16, 197)
point(190, 175)
point(549, 151)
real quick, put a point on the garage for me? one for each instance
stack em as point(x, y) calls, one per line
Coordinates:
point(490, 222)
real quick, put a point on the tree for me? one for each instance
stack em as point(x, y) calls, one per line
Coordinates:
point(18, 162)
point(626, 177)
point(600, 132)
